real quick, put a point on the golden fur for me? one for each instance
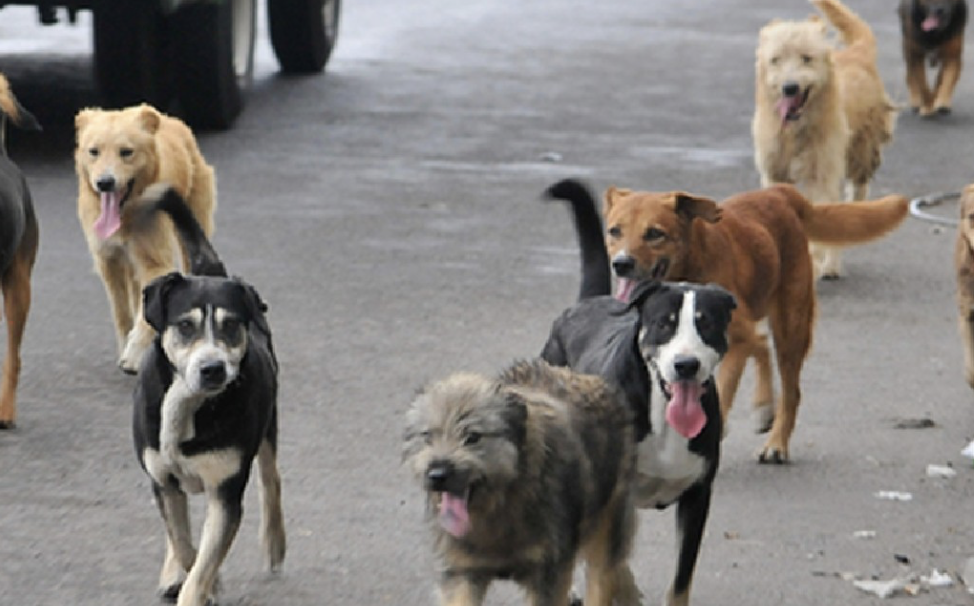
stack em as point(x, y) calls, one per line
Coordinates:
point(838, 131)
point(542, 459)
point(755, 245)
point(135, 148)
point(964, 265)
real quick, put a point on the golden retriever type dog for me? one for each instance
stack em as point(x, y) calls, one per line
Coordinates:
point(523, 473)
point(932, 29)
point(19, 237)
point(119, 154)
point(964, 264)
point(821, 114)
point(755, 245)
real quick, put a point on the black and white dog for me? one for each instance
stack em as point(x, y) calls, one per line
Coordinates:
point(661, 348)
point(205, 407)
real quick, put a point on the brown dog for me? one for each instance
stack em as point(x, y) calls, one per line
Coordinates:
point(119, 154)
point(932, 29)
point(755, 245)
point(964, 263)
point(18, 249)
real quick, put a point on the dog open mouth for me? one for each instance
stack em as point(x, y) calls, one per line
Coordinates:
point(454, 513)
point(790, 107)
point(627, 285)
point(930, 23)
point(684, 411)
point(110, 218)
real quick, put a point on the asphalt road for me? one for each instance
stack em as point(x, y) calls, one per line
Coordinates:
point(389, 213)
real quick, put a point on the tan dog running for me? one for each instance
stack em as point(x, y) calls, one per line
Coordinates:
point(755, 245)
point(821, 114)
point(964, 265)
point(118, 155)
point(523, 473)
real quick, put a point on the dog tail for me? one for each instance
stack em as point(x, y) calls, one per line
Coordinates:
point(850, 25)
point(203, 259)
point(11, 109)
point(845, 223)
point(596, 277)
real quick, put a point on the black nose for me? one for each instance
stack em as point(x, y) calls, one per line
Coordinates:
point(213, 374)
point(790, 89)
point(437, 475)
point(623, 266)
point(686, 367)
point(105, 184)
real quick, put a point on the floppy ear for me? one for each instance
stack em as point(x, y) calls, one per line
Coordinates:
point(692, 207)
point(149, 118)
point(256, 307)
point(154, 298)
point(612, 195)
point(643, 291)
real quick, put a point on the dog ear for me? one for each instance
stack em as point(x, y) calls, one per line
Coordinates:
point(612, 195)
point(82, 119)
point(515, 416)
point(643, 291)
point(256, 307)
point(154, 298)
point(692, 207)
point(149, 118)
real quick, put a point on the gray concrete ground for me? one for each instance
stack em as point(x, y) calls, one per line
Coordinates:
point(388, 212)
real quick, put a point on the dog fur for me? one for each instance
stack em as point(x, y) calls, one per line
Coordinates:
point(19, 237)
point(755, 245)
point(932, 29)
point(119, 154)
point(964, 266)
point(821, 114)
point(205, 409)
point(523, 473)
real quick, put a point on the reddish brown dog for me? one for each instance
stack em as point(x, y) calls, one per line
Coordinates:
point(754, 244)
point(932, 29)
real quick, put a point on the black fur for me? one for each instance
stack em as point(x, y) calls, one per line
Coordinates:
point(913, 12)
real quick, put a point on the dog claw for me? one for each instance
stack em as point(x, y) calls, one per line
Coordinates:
point(772, 456)
point(170, 593)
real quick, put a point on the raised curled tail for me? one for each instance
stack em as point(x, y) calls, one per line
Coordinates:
point(203, 259)
point(847, 223)
point(596, 277)
point(11, 109)
point(850, 25)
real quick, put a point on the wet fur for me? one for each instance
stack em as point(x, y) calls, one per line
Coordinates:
point(163, 150)
point(551, 481)
point(944, 47)
point(19, 236)
point(847, 118)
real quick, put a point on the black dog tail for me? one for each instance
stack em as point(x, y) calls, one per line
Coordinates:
point(203, 260)
point(596, 277)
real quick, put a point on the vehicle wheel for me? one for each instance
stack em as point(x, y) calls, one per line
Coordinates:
point(213, 59)
point(130, 54)
point(303, 33)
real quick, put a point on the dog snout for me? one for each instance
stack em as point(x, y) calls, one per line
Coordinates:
point(105, 183)
point(624, 266)
point(790, 89)
point(213, 374)
point(686, 367)
point(438, 475)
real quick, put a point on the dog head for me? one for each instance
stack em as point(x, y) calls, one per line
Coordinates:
point(462, 442)
point(794, 65)
point(934, 16)
point(648, 234)
point(116, 157)
point(205, 325)
point(682, 338)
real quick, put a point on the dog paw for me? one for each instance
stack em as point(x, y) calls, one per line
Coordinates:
point(8, 424)
point(763, 417)
point(928, 112)
point(830, 276)
point(772, 455)
point(574, 599)
point(943, 110)
point(170, 593)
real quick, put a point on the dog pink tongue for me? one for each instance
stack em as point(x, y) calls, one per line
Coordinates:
point(785, 105)
point(684, 412)
point(110, 218)
point(625, 289)
point(930, 23)
point(454, 516)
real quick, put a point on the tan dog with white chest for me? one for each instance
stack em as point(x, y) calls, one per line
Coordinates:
point(119, 154)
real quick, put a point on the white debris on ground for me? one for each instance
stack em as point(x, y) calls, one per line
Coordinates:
point(968, 575)
point(941, 471)
point(887, 589)
point(969, 450)
point(894, 495)
point(864, 534)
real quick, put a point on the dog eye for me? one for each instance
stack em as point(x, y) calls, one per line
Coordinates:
point(703, 322)
point(93, 152)
point(186, 328)
point(774, 61)
point(806, 59)
point(126, 152)
point(231, 326)
point(471, 438)
point(615, 231)
point(654, 233)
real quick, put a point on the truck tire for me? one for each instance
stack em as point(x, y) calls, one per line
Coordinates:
point(130, 55)
point(213, 59)
point(303, 33)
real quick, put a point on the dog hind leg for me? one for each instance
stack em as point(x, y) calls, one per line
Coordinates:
point(608, 578)
point(272, 537)
point(15, 286)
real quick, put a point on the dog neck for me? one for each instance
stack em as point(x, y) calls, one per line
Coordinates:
point(178, 407)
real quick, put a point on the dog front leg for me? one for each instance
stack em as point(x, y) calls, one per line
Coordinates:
point(223, 512)
point(966, 324)
point(180, 554)
point(272, 536)
point(552, 586)
point(115, 275)
point(916, 80)
point(691, 517)
point(950, 66)
point(462, 589)
point(16, 302)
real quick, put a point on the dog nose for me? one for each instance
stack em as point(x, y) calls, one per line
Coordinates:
point(686, 367)
point(437, 475)
point(790, 89)
point(106, 183)
point(213, 374)
point(623, 266)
